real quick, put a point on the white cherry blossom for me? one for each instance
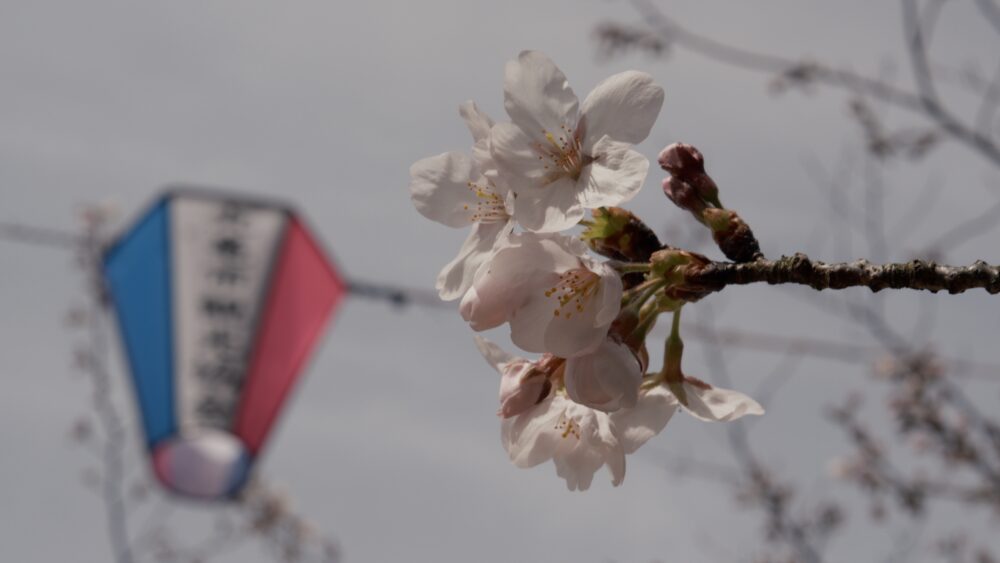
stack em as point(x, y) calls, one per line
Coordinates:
point(565, 158)
point(523, 383)
point(580, 440)
point(650, 415)
point(713, 404)
point(556, 298)
point(458, 190)
point(606, 379)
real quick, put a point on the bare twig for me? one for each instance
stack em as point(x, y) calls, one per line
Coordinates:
point(923, 102)
point(799, 269)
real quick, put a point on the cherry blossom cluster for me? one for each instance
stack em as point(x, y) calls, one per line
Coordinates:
point(587, 398)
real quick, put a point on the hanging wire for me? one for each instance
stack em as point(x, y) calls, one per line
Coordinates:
point(397, 296)
point(401, 297)
point(39, 236)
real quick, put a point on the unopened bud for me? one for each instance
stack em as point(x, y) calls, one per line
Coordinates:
point(686, 163)
point(672, 264)
point(680, 159)
point(720, 221)
point(618, 234)
point(684, 195)
point(675, 266)
point(732, 234)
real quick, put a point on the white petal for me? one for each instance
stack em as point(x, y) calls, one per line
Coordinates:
point(575, 332)
point(521, 269)
point(714, 404)
point(494, 355)
point(567, 336)
point(578, 468)
point(608, 300)
point(537, 95)
point(623, 106)
point(648, 418)
point(476, 120)
point(556, 207)
point(607, 379)
point(482, 161)
point(456, 278)
point(614, 452)
point(615, 177)
point(529, 323)
point(516, 155)
point(531, 438)
point(583, 451)
point(439, 188)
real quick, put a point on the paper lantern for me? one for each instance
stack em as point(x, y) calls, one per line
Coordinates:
point(219, 300)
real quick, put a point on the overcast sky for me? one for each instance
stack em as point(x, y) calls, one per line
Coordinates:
point(391, 444)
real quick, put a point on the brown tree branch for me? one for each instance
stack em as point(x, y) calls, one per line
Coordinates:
point(799, 269)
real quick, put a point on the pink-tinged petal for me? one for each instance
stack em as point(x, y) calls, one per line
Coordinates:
point(554, 208)
point(439, 188)
point(476, 120)
point(608, 300)
point(567, 337)
point(606, 379)
point(615, 177)
point(623, 106)
point(530, 322)
point(537, 95)
point(531, 438)
point(480, 314)
point(714, 404)
point(518, 271)
point(646, 419)
point(457, 277)
point(494, 355)
point(518, 392)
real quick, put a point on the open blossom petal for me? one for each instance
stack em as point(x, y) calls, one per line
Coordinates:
point(479, 125)
point(547, 199)
point(456, 190)
point(505, 283)
point(439, 188)
point(607, 379)
point(714, 404)
point(457, 276)
point(623, 107)
point(614, 177)
point(537, 95)
point(575, 308)
point(655, 407)
point(476, 120)
point(579, 440)
point(560, 163)
point(554, 298)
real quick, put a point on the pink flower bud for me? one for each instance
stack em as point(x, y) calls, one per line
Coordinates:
point(682, 160)
point(684, 195)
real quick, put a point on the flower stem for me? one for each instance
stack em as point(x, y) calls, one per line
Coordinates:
point(673, 350)
point(630, 267)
